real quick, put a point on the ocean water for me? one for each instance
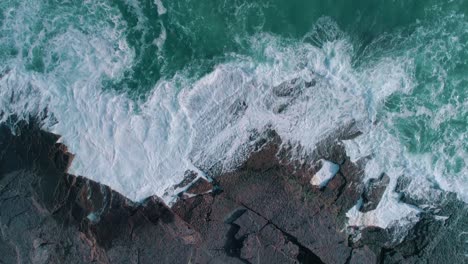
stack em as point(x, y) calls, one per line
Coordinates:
point(144, 90)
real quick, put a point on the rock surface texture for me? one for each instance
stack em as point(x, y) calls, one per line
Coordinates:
point(265, 212)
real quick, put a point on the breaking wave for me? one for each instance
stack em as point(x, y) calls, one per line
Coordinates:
point(405, 91)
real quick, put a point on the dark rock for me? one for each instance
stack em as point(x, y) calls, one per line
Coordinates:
point(250, 223)
point(200, 186)
point(373, 192)
point(363, 256)
point(189, 177)
point(48, 216)
point(264, 212)
point(288, 88)
point(269, 246)
point(312, 83)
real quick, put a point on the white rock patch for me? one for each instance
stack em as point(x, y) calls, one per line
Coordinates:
point(325, 174)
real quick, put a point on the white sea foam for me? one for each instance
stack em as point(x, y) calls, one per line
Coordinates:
point(141, 148)
point(325, 174)
point(161, 9)
point(388, 212)
point(159, 42)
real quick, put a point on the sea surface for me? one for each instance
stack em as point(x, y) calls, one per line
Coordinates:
point(144, 90)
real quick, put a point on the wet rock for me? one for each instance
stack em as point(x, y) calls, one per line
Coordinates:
point(373, 192)
point(189, 177)
point(363, 256)
point(288, 88)
point(44, 213)
point(200, 186)
point(264, 212)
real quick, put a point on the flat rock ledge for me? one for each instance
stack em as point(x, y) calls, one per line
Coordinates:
point(265, 212)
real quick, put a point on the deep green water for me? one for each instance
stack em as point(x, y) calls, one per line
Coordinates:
point(126, 48)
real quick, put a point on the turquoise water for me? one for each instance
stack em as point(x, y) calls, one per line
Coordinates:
point(140, 73)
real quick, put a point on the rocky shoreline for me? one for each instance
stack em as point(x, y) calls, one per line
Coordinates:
point(265, 212)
